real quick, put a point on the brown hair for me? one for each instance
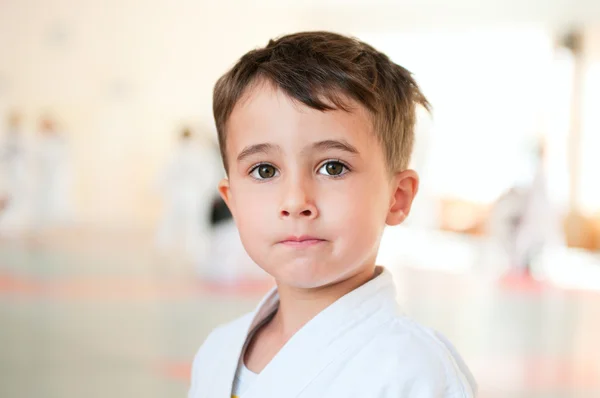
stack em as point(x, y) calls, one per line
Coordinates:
point(322, 70)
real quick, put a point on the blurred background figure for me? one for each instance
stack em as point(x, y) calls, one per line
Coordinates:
point(540, 225)
point(52, 176)
point(14, 197)
point(524, 221)
point(227, 261)
point(188, 185)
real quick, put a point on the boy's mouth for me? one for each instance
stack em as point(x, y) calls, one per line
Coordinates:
point(301, 241)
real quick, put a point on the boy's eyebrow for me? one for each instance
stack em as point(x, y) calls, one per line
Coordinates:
point(257, 148)
point(265, 148)
point(335, 144)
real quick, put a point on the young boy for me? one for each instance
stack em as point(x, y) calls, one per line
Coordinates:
point(316, 131)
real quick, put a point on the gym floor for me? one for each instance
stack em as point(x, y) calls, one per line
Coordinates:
point(91, 314)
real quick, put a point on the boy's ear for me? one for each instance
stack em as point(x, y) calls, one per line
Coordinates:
point(404, 186)
point(225, 192)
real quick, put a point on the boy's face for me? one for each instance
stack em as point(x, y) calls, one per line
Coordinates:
point(309, 190)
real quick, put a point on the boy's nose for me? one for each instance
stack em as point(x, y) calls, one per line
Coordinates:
point(297, 203)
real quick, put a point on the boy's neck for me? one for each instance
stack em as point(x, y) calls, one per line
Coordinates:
point(297, 306)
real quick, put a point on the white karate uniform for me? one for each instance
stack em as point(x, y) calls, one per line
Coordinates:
point(360, 346)
point(540, 222)
point(227, 259)
point(523, 221)
point(189, 183)
point(52, 174)
point(14, 184)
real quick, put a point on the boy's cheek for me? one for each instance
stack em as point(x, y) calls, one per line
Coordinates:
point(254, 213)
point(347, 202)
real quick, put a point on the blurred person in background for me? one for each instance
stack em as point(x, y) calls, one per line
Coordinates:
point(227, 261)
point(13, 178)
point(524, 221)
point(540, 225)
point(188, 184)
point(52, 177)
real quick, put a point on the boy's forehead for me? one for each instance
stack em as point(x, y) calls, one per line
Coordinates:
point(267, 114)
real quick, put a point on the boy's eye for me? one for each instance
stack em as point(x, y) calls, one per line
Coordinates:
point(263, 172)
point(333, 168)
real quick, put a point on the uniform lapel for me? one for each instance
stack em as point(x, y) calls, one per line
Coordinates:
point(226, 365)
point(343, 325)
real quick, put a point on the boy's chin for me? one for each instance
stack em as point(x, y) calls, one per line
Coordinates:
point(306, 276)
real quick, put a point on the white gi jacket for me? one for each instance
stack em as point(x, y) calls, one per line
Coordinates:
point(360, 346)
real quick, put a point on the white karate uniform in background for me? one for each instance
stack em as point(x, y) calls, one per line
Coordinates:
point(524, 221)
point(14, 184)
point(188, 183)
point(227, 260)
point(540, 224)
point(52, 179)
point(360, 346)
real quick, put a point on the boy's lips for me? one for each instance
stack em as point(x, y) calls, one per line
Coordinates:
point(301, 241)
